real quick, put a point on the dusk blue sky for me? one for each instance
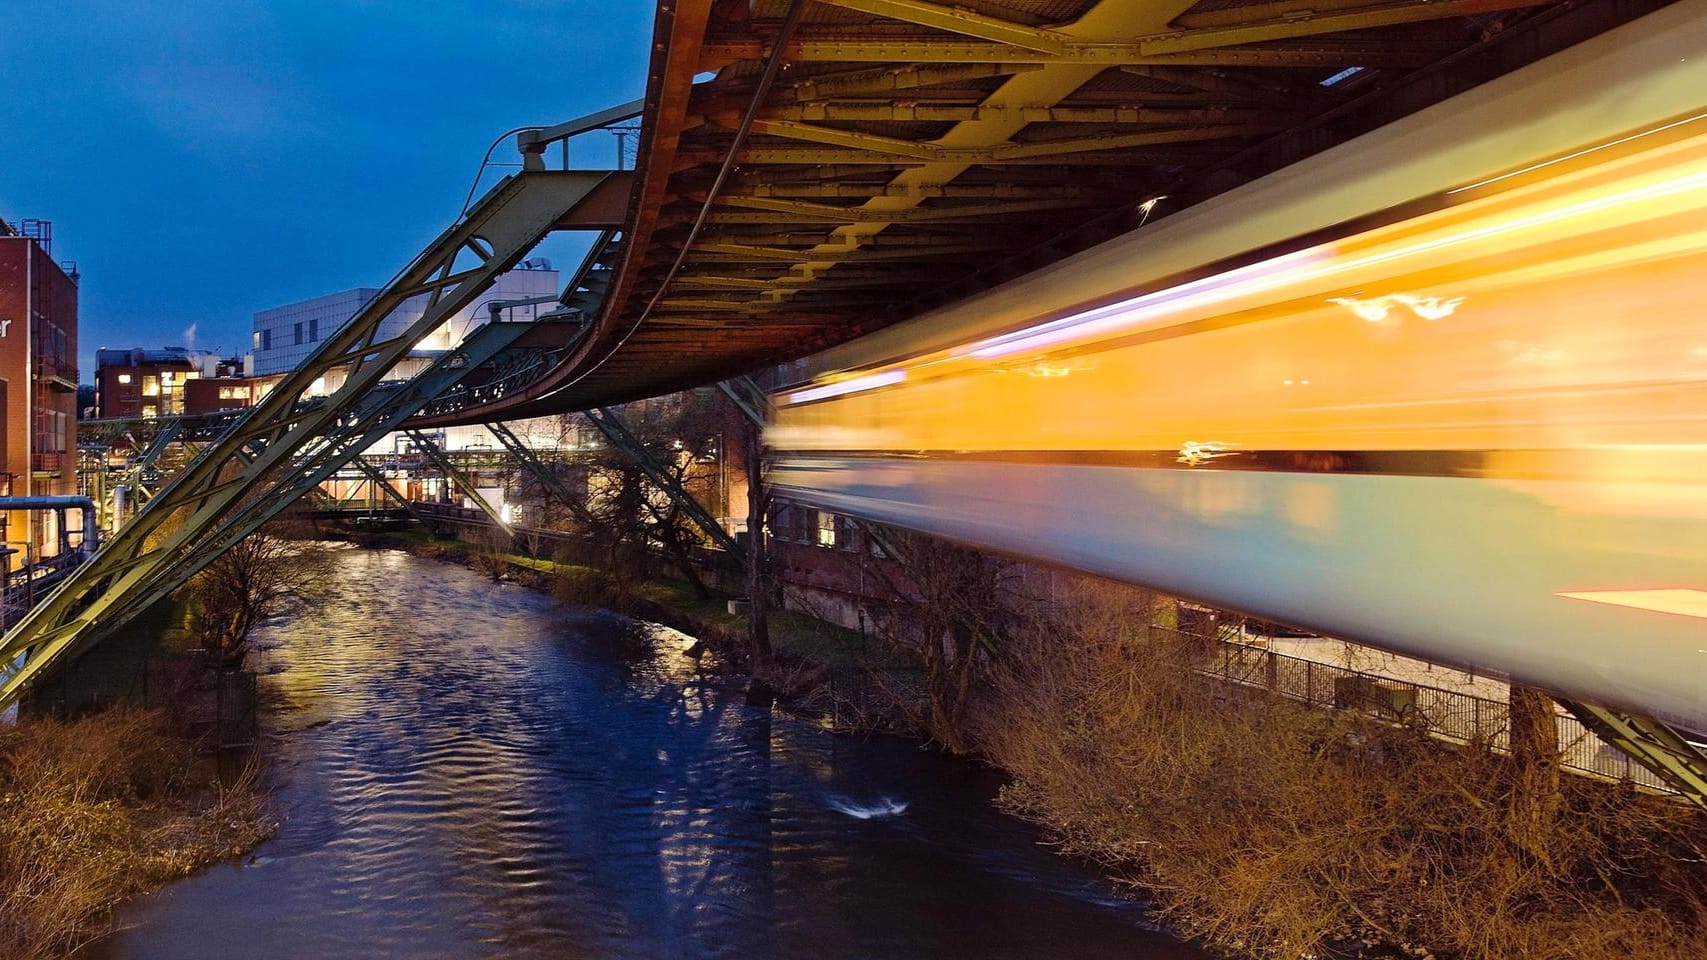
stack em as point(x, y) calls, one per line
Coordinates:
point(204, 159)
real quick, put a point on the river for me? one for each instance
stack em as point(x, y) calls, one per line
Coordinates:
point(467, 770)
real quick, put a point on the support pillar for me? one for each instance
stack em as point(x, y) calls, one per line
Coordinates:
point(758, 583)
point(1534, 738)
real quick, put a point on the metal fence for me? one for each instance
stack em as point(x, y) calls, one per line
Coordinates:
point(1449, 715)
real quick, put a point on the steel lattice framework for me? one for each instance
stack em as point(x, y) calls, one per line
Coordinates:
point(849, 163)
point(288, 442)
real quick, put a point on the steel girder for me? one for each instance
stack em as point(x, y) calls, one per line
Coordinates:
point(610, 423)
point(1651, 743)
point(181, 529)
point(547, 478)
point(430, 449)
point(375, 477)
point(749, 398)
point(381, 413)
point(1236, 27)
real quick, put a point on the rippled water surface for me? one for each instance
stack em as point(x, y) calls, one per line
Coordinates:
point(467, 771)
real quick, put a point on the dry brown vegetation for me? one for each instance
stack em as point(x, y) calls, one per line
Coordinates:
point(100, 809)
point(490, 556)
point(1270, 828)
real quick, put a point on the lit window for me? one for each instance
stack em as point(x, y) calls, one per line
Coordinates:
point(226, 393)
point(150, 387)
point(150, 411)
point(826, 529)
point(239, 393)
point(165, 376)
point(124, 378)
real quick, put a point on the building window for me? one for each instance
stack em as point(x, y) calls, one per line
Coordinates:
point(826, 529)
point(124, 378)
point(150, 386)
point(299, 333)
point(313, 329)
point(150, 411)
point(846, 538)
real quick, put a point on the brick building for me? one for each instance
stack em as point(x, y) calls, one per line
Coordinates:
point(38, 380)
point(166, 382)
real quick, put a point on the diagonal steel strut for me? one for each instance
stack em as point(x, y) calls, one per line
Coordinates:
point(551, 481)
point(611, 424)
point(428, 447)
point(1651, 743)
point(461, 263)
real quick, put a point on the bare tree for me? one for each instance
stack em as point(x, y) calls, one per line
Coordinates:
point(260, 577)
point(631, 517)
point(953, 606)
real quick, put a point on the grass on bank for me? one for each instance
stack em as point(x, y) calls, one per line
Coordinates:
point(100, 809)
point(793, 634)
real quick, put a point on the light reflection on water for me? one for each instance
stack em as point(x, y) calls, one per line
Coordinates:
point(468, 772)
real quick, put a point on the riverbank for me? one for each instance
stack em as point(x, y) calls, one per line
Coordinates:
point(118, 800)
point(471, 770)
point(100, 809)
point(808, 652)
point(1261, 827)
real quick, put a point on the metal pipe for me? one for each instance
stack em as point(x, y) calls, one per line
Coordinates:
point(91, 532)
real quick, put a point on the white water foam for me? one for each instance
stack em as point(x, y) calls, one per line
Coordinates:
point(883, 807)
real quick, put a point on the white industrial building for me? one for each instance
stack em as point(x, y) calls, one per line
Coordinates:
point(284, 336)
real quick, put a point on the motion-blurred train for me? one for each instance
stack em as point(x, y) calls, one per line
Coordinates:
point(1442, 389)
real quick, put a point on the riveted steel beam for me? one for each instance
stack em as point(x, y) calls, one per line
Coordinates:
point(960, 21)
point(835, 214)
point(749, 398)
point(946, 112)
point(543, 473)
point(938, 153)
point(1651, 743)
point(384, 486)
point(1230, 28)
point(430, 449)
point(615, 430)
point(378, 414)
point(869, 82)
point(720, 51)
point(969, 191)
point(1106, 157)
point(873, 253)
point(1211, 83)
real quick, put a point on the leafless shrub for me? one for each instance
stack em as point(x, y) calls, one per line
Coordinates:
point(1270, 826)
point(491, 552)
point(100, 809)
